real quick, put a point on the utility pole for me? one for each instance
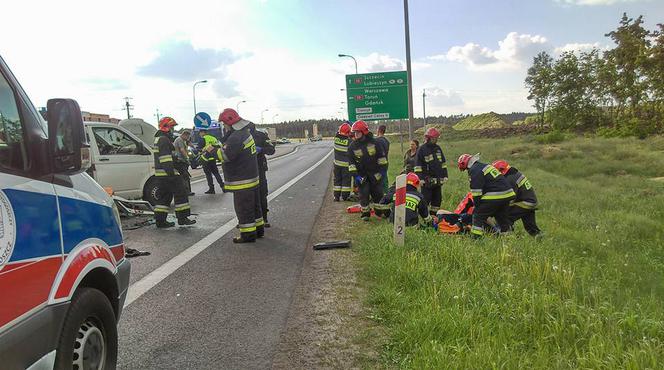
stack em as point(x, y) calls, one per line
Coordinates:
point(157, 115)
point(128, 106)
point(409, 71)
point(424, 106)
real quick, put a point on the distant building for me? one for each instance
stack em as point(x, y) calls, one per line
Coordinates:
point(96, 117)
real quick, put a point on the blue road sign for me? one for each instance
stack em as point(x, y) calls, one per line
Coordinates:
point(202, 120)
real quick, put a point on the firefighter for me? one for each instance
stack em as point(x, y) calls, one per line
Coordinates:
point(211, 144)
point(430, 166)
point(417, 212)
point(491, 192)
point(366, 162)
point(182, 161)
point(170, 183)
point(342, 182)
point(524, 206)
point(385, 144)
point(240, 165)
point(263, 147)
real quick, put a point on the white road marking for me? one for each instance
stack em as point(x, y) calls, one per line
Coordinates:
point(150, 280)
point(269, 160)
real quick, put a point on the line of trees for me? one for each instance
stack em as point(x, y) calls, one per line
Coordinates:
point(618, 91)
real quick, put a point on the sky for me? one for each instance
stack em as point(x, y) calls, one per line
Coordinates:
point(280, 56)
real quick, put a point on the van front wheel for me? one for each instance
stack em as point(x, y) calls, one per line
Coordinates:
point(151, 191)
point(89, 338)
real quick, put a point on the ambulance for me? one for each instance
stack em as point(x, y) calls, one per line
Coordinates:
point(63, 271)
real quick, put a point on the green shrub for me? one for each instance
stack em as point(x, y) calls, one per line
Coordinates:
point(551, 137)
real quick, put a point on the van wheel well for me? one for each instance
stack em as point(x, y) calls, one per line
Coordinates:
point(104, 281)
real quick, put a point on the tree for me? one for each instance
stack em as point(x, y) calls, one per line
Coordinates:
point(655, 68)
point(539, 83)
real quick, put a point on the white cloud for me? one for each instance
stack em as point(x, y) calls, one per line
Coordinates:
point(577, 47)
point(438, 97)
point(513, 52)
point(594, 2)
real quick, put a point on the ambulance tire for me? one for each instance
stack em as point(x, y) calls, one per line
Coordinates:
point(89, 328)
point(151, 191)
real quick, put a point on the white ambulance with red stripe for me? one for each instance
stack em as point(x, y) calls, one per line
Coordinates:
point(63, 272)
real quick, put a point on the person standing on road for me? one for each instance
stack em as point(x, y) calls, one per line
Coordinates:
point(263, 147)
point(182, 158)
point(170, 182)
point(524, 206)
point(430, 166)
point(491, 192)
point(385, 144)
point(209, 162)
point(367, 163)
point(342, 181)
point(410, 157)
point(240, 165)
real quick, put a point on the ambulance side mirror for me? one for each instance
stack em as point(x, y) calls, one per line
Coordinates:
point(68, 146)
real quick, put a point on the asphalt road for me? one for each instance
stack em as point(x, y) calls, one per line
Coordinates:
point(200, 301)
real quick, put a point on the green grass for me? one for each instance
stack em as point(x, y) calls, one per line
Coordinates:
point(481, 121)
point(590, 294)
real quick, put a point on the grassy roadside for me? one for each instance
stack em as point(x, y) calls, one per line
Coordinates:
point(589, 294)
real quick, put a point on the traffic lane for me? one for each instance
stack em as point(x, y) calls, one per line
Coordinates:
point(210, 212)
point(227, 306)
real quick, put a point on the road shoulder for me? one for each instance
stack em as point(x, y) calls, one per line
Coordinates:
point(327, 324)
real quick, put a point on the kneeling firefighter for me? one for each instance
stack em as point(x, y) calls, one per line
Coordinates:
point(170, 183)
point(238, 157)
point(367, 163)
point(417, 212)
point(491, 192)
point(524, 206)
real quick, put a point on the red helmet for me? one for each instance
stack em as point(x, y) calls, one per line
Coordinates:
point(432, 132)
point(463, 161)
point(166, 124)
point(501, 166)
point(412, 179)
point(345, 129)
point(229, 117)
point(360, 126)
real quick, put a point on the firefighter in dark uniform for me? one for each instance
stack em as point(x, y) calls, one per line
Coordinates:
point(238, 157)
point(430, 166)
point(263, 147)
point(524, 206)
point(417, 212)
point(211, 144)
point(366, 162)
point(170, 183)
point(342, 181)
point(491, 192)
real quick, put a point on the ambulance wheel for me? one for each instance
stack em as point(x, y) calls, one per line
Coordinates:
point(89, 338)
point(151, 191)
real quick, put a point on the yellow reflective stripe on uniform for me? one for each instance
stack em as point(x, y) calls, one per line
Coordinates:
point(248, 142)
point(162, 209)
point(260, 222)
point(428, 158)
point(525, 205)
point(340, 163)
point(160, 172)
point(247, 228)
point(417, 168)
point(413, 197)
point(495, 195)
point(242, 185)
point(381, 207)
point(476, 192)
point(344, 188)
point(382, 160)
point(486, 169)
point(165, 158)
point(352, 168)
point(477, 230)
point(182, 207)
point(378, 176)
point(340, 148)
point(522, 180)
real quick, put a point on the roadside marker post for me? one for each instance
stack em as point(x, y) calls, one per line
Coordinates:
point(400, 211)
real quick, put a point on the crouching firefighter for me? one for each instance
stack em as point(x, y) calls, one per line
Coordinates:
point(366, 162)
point(491, 192)
point(524, 205)
point(238, 157)
point(430, 166)
point(342, 182)
point(170, 183)
point(417, 212)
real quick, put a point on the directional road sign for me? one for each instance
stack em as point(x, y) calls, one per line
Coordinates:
point(377, 96)
point(202, 120)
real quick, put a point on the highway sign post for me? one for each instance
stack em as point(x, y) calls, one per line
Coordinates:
point(377, 96)
point(400, 210)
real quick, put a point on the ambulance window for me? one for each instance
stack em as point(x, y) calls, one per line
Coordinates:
point(111, 141)
point(13, 151)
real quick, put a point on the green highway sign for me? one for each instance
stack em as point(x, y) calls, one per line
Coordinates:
point(377, 96)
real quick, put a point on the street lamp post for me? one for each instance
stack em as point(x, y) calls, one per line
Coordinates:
point(262, 114)
point(349, 56)
point(424, 106)
point(237, 106)
point(409, 71)
point(194, 90)
point(273, 117)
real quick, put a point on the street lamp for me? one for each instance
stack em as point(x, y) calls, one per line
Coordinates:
point(237, 106)
point(273, 117)
point(262, 115)
point(194, 89)
point(349, 56)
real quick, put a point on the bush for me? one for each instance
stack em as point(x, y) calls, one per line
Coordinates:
point(551, 138)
